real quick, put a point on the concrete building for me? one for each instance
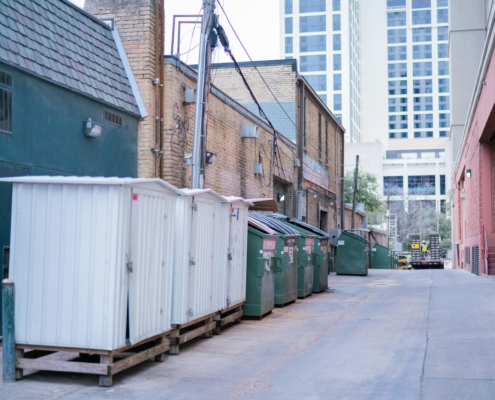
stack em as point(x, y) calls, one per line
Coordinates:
point(406, 100)
point(472, 40)
point(324, 36)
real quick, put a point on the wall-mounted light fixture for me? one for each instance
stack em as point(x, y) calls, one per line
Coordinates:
point(468, 173)
point(92, 129)
point(484, 83)
point(280, 197)
point(210, 157)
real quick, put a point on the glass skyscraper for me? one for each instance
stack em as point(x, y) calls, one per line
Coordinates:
point(324, 36)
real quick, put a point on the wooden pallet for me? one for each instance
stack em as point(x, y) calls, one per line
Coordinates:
point(87, 361)
point(227, 316)
point(183, 333)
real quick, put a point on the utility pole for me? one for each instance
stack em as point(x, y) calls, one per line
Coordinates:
point(201, 95)
point(354, 200)
point(387, 215)
point(420, 220)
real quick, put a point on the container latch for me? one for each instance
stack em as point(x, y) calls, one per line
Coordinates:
point(129, 266)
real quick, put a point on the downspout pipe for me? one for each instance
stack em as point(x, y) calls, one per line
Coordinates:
point(300, 147)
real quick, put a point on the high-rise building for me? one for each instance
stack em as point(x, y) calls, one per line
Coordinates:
point(406, 98)
point(324, 37)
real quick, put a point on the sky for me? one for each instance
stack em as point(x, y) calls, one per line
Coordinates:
point(255, 21)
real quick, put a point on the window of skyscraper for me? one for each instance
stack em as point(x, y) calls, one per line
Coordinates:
point(423, 121)
point(337, 102)
point(312, 43)
point(396, 36)
point(421, 86)
point(336, 5)
point(338, 117)
point(397, 70)
point(421, 51)
point(307, 6)
point(288, 6)
point(443, 16)
point(337, 82)
point(337, 62)
point(397, 87)
point(421, 17)
point(318, 82)
point(313, 63)
point(442, 184)
point(288, 25)
point(397, 135)
point(289, 45)
point(397, 104)
point(397, 53)
point(323, 98)
point(444, 120)
point(337, 42)
point(443, 50)
point(317, 23)
point(422, 69)
point(443, 85)
point(423, 103)
point(396, 4)
point(336, 22)
point(443, 33)
point(394, 185)
point(397, 122)
point(421, 185)
point(427, 134)
point(396, 19)
point(443, 68)
point(443, 134)
point(421, 34)
point(442, 3)
point(444, 103)
point(421, 3)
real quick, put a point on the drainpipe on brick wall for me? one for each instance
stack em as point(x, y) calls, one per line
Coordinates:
point(162, 82)
point(158, 82)
point(301, 148)
point(342, 207)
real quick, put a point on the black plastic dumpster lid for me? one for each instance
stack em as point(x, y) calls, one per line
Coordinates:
point(299, 223)
point(273, 223)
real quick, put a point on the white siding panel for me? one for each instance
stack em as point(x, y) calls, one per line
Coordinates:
point(150, 290)
point(68, 290)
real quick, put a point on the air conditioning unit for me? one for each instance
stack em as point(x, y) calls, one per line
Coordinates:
point(189, 95)
point(249, 131)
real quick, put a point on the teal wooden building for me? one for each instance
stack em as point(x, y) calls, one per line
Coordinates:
point(63, 74)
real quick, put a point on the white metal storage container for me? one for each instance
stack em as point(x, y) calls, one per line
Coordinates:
point(196, 257)
point(91, 259)
point(232, 289)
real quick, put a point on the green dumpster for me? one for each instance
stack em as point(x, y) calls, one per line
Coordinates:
point(286, 273)
point(319, 258)
point(305, 275)
point(381, 257)
point(260, 280)
point(286, 258)
point(351, 254)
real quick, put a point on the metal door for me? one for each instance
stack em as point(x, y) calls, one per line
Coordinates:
point(150, 263)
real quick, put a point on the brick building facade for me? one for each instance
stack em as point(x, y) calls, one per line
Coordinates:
point(166, 135)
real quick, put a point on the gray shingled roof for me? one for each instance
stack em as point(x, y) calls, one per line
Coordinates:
point(57, 41)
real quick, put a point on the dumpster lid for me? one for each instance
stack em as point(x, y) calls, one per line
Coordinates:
point(263, 204)
point(353, 235)
point(90, 180)
point(261, 226)
point(273, 223)
point(301, 224)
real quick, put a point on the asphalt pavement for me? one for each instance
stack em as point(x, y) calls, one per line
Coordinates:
point(390, 335)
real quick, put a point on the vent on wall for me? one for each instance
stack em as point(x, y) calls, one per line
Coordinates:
point(475, 260)
point(113, 118)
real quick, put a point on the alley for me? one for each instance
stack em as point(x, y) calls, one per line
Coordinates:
point(390, 335)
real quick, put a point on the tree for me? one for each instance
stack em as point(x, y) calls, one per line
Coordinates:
point(367, 193)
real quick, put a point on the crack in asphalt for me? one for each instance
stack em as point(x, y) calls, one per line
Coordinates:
point(422, 379)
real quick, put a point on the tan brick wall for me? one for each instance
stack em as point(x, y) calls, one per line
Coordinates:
point(280, 79)
point(233, 171)
point(135, 22)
